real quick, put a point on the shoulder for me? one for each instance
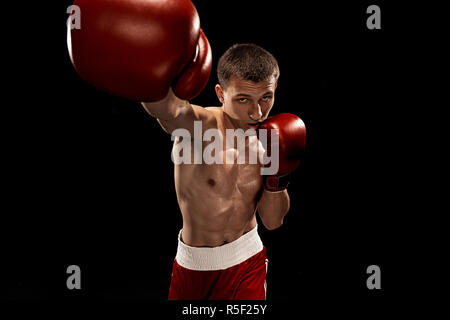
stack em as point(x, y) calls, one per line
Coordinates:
point(218, 114)
point(214, 109)
point(215, 112)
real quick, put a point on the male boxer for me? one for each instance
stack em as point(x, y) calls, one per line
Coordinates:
point(220, 255)
point(154, 51)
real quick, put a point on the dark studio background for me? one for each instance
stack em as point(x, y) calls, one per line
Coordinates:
point(90, 180)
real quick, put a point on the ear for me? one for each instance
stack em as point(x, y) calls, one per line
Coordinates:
point(219, 93)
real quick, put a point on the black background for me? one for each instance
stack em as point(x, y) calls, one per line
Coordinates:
point(90, 182)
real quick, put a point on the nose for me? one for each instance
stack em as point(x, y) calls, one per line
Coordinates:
point(255, 114)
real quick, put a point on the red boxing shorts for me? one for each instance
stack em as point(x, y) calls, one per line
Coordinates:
point(233, 271)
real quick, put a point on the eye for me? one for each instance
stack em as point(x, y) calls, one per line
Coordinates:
point(243, 100)
point(266, 98)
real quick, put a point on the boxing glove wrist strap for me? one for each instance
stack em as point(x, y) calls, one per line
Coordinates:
point(276, 183)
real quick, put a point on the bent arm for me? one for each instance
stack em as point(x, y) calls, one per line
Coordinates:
point(273, 207)
point(173, 113)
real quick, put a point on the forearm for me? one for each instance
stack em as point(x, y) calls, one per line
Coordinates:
point(166, 109)
point(273, 207)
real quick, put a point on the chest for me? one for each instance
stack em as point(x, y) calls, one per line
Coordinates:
point(219, 165)
point(230, 180)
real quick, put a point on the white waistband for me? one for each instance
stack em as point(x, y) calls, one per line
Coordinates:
point(221, 257)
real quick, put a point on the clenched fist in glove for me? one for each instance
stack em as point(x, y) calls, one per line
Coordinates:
point(138, 49)
point(291, 133)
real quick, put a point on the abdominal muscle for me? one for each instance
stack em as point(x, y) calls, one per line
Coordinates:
point(217, 202)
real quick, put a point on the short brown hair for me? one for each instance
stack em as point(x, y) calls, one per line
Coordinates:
point(247, 61)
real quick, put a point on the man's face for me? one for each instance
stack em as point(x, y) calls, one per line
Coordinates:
point(247, 102)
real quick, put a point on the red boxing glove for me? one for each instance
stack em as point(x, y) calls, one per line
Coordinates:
point(138, 49)
point(291, 144)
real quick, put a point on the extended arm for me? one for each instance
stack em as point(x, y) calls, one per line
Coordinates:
point(173, 112)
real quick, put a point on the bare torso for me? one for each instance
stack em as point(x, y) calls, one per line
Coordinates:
point(217, 201)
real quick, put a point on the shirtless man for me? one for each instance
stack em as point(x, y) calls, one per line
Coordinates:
point(219, 202)
point(158, 54)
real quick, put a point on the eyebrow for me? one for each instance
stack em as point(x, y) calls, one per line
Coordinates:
point(249, 96)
